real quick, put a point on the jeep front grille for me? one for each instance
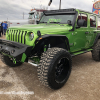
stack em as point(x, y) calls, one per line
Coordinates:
point(17, 36)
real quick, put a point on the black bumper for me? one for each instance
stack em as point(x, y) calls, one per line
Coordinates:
point(14, 49)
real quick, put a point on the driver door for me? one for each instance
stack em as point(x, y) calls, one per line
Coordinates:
point(79, 35)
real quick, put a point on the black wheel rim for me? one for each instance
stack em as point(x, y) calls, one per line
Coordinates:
point(11, 60)
point(61, 70)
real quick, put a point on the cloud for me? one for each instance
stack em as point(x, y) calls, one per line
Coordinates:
point(13, 9)
point(79, 4)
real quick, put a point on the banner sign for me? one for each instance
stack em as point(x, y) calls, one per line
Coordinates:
point(96, 7)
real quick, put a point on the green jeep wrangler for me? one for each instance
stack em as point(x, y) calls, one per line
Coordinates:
point(51, 44)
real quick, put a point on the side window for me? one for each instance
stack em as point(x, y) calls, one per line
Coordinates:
point(98, 22)
point(92, 21)
point(82, 16)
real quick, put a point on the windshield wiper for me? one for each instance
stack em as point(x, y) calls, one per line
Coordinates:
point(43, 22)
point(54, 22)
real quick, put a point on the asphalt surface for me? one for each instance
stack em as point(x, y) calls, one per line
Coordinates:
point(83, 83)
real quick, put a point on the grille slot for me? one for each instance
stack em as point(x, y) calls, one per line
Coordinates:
point(22, 36)
point(25, 36)
point(17, 35)
point(12, 35)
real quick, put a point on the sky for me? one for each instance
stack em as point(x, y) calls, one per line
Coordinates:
point(13, 9)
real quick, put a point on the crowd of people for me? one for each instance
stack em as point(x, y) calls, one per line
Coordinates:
point(3, 28)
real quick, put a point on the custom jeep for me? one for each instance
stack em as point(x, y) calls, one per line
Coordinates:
point(51, 44)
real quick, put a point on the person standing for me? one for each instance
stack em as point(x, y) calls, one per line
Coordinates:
point(5, 26)
point(2, 28)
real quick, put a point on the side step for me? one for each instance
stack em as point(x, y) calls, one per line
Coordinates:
point(73, 54)
point(81, 52)
point(32, 63)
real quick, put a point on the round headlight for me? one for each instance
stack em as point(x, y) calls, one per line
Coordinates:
point(31, 36)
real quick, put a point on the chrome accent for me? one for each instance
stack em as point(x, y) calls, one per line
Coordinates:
point(32, 63)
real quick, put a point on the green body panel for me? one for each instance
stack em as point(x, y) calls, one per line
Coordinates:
point(43, 28)
point(77, 37)
point(23, 57)
point(81, 52)
point(81, 40)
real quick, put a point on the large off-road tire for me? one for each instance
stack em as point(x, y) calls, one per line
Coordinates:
point(96, 51)
point(55, 67)
point(7, 60)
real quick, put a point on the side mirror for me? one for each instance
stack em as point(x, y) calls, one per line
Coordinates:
point(69, 22)
point(81, 22)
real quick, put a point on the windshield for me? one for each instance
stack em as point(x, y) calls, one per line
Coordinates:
point(63, 19)
point(31, 15)
point(34, 15)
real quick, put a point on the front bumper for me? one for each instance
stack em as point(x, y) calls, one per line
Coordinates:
point(15, 49)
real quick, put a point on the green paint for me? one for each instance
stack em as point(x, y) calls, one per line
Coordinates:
point(36, 60)
point(45, 48)
point(23, 57)
point(14, 61)
point(6, 54)
point(80, 52)
point(54, 20)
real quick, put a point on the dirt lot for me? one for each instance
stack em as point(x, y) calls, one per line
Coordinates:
point(83, 84)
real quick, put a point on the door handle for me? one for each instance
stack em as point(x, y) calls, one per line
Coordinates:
point(86, 32)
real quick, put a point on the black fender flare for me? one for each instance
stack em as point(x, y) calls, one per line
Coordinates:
point(96, 39)
point(45, 39)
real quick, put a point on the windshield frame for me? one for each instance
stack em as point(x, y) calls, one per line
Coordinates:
point(74, 20)
point(30, 14)
point(57, 14)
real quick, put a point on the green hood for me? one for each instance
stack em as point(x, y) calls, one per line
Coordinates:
point(45, 28)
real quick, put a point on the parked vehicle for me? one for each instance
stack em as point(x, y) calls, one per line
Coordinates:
point(35, 16)
point(51, 44)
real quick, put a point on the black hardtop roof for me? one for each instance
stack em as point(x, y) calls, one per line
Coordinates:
point(87, 12)
point(70, 10)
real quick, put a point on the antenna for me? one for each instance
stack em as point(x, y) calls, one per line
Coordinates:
point(50, 3)
point(60, 5)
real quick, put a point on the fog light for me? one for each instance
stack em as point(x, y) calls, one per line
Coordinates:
point(12, 51)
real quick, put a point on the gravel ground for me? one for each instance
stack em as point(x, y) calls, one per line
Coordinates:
point(83, 83)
